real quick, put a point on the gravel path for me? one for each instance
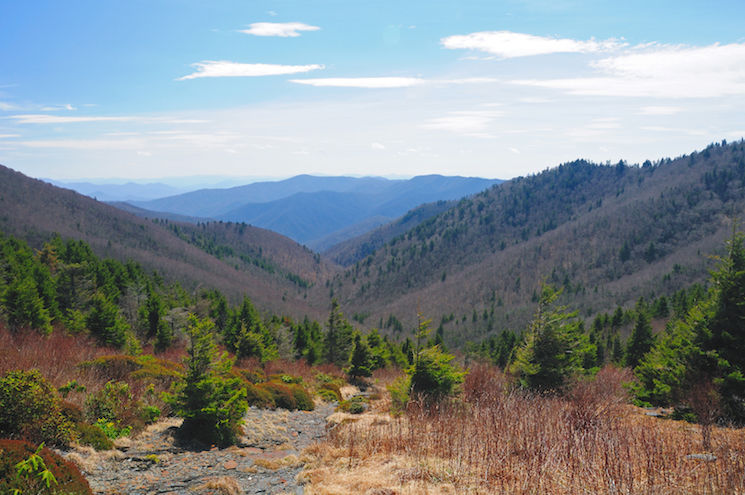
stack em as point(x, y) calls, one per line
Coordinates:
point(266, 460)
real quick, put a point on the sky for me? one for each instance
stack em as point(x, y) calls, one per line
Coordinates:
point(146, 89)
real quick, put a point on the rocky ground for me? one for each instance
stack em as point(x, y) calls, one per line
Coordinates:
point(267, 460)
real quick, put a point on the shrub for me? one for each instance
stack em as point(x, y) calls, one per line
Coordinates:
point(150, 414)
point(432, 376)
point(71, 412)
point(282, 395)
point(109, 403)
point(327, 395)
point(288, 379)
point(94, 436)
point(258, 396)
point(121, 367)
point(30, 409)
point(69, 479)
point(302, 398)
point(399, 391)
point(251, 376)
point(355, 405)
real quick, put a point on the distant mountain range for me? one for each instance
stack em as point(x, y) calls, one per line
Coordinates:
point(606, 234)
point(316, 211)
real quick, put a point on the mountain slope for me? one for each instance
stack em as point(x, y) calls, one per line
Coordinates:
point(607, 234)
point(33, 210)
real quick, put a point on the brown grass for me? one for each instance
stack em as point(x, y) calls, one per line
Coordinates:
point(507, 441)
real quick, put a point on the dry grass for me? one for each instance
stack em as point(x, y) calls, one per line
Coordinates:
point(224, 485)
point(505, 441)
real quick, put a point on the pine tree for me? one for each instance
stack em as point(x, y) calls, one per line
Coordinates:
point(641, 339)
point(361, 360)
point(554, 348)
point(338, 339)
point(105, 323)
point(24, 307)
point(210, 401)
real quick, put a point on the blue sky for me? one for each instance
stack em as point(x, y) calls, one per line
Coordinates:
point(150, 89)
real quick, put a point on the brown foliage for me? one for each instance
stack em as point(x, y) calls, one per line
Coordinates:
point(502, 441)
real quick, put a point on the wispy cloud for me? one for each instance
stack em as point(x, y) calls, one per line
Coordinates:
point(659, 110)
point(59, 119)
point(55, 108)
point(8, 136)
point(507, 44)
point(469, 122)
point(388, 82)
point(281, 29)
point(362, 82)
point(85, 144)
point(224, 68)
point(41, 118)
point(6, 107)
point(662, 71)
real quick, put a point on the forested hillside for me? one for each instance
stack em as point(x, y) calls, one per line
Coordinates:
point(606, 233)
point(33, 210)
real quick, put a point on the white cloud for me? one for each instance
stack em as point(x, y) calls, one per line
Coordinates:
point(473, 123)
point(377, 146)
point(662, 71)
point(58, 119)
point(659, 110)
point(85, 144)
point(224, 68)
point(281, 29)
point(7, 136)
point(55, 108)
point(362, 82)
point(6, 107)
point(506, 44)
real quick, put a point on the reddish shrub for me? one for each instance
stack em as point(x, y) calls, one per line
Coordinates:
point(68, 476)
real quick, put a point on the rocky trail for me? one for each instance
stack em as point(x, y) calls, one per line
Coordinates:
point(267, 460)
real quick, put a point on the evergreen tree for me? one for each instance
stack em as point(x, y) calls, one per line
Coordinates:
point(152, 313)
point(338, 339)
point(105, 323)
point(24, 307)
point(210, 401)
point(641, 339)
point(360, 363)
point(707, 346)
point(554, 348)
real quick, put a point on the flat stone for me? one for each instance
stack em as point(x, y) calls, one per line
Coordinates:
point(231, 464)
point(702, 457)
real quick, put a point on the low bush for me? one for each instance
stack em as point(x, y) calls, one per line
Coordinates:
point(150, 414)
point(281, 394)
point(259, 396)
point(330, 390)
point(355, 405)
point(303, 399)
point(93, 436)
point(71, 412)
point(30, 409)
point(69, 480)
point(144, 368)
point(327, 395)
point(253, 376)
